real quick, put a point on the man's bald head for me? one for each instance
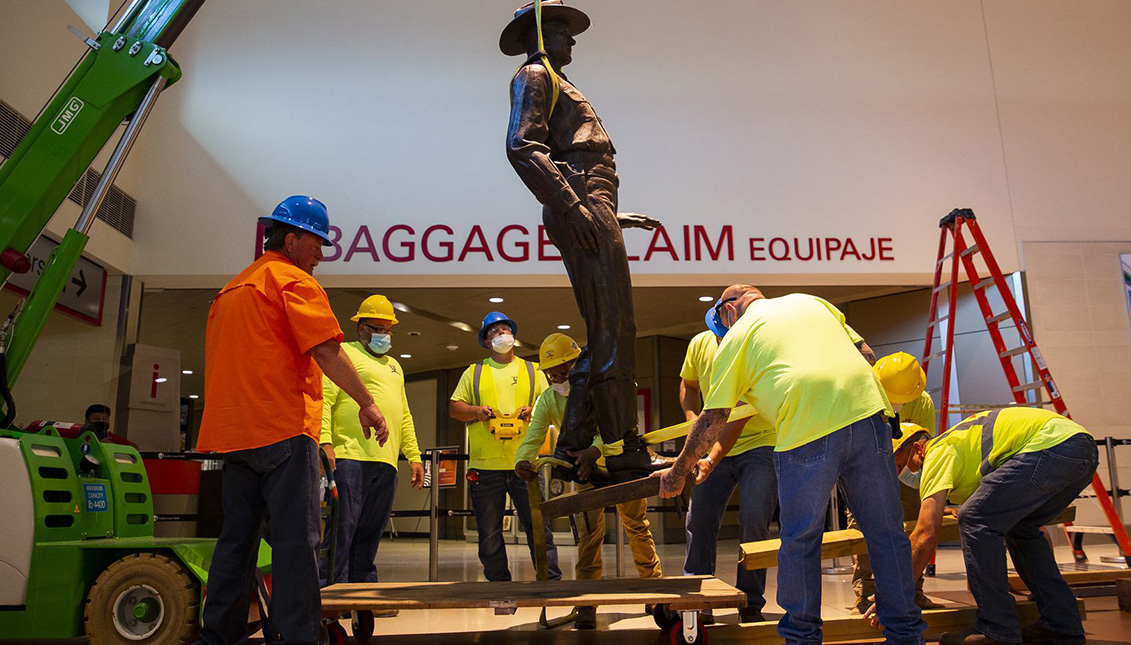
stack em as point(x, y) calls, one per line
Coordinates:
point(736, 298)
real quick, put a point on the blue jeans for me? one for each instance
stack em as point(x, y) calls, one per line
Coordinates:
point(365, 502)
point(1008, 510)
point(279, 481)
point(753, 472)
point(488, 501)
point(859, 457)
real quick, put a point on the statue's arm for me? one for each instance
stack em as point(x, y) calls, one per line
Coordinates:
point(527, 133)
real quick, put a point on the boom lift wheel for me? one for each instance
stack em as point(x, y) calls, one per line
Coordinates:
point(362, 625)
point(145, 598)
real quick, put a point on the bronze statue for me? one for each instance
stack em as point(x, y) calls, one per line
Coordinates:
point(560, 149)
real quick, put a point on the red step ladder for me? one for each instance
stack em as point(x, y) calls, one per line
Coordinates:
point(953, 226)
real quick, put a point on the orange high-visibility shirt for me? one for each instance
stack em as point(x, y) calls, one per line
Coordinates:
point(261, 385)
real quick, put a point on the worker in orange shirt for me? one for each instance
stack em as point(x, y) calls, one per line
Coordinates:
point(271, 335)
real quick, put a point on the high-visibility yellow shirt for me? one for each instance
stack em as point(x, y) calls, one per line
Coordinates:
point(794, 359)
point(384, 378)
point(954, 460)
point(549, 410)
point(921, 411)
point(505, 388)
point(697, 365)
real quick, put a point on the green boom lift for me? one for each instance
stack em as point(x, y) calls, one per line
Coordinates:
point(77, 550)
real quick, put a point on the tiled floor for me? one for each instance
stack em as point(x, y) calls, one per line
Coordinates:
point(408, 560)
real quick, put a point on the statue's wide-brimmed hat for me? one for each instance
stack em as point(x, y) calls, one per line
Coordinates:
point(511, 40)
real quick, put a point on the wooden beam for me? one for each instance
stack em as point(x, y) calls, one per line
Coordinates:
point(679, 592)
point(594, 498)
point(840, 544)
point(1097, 576)
point(853, 628)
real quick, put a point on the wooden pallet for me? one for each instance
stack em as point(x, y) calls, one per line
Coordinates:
point(853, 628)
point(840, 544)
point(680, 593)
point(1097, 576)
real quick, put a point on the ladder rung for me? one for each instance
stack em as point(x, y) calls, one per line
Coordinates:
point(1014, 352)
point(1035, 385)
point(971, 250)
point(934, 356)
point(938, 320)
point(944, 259)
point(998, 318)
point(982, 284)
point(978, 407)
point(942, 286)
point(1076, 528)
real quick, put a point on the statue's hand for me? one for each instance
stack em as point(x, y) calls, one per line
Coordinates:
point(636, 220)
point(582, 228)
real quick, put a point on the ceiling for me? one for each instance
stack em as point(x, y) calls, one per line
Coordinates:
point(430, 331)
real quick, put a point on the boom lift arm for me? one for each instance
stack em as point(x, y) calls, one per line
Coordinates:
point(119, 78)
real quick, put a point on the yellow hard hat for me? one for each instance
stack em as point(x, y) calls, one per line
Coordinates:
point(901, 376)
point(556, 350)
point(909, 430)
point(376, 307)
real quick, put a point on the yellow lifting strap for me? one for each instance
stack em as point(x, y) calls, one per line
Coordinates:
point(555, 84)
point(537, 527)
point(744, 411)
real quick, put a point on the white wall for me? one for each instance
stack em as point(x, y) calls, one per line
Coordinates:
point(867, 119)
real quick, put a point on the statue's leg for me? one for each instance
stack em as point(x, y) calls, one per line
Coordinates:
point(602, 286)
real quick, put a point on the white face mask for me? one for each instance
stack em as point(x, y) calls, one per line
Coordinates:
point(908, 478)
point(502, 344)
point(561, 388)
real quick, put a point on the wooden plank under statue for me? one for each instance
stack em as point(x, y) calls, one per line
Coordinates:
point(839, 544)
point(587, 500)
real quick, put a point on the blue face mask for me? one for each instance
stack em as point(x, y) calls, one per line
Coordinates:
point(912, 479)
point(380, 343)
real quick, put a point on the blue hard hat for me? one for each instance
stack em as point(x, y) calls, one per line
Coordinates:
point(302, 212)
point(493, 318)
point(713, 322)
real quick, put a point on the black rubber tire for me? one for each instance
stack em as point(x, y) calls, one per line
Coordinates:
point(337, 634)
point(677, 635)
point(362, 625)
point(664, 617)
point(174, 586)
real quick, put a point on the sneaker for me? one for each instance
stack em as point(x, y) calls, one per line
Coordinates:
point(586, 618)
point(1038, 634)
point(968, 637)
point(750, 615)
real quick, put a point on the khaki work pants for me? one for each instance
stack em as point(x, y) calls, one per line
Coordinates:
point(591, 535)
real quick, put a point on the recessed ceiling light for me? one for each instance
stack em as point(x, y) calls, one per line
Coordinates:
point(186, 371)
point(406, 355)
point(563, 327)
point(452, 348)
point(160, 380)
point(194, 396)
point(495, 300)
point(706, 298)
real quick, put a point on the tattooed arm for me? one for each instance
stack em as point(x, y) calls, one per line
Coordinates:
point(703, 435)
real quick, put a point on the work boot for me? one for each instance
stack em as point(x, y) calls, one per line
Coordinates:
point(860, 606)
point(750, 615)
point(923, 602)
point(968, 637)
point(1038, 634)
point(586, 618)
point(634, 463)
point(705, 617)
